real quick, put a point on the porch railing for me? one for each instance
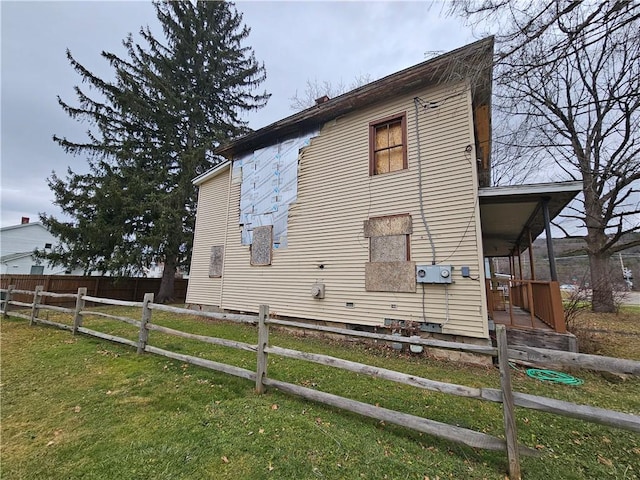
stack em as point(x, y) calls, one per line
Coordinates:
point(542, 300)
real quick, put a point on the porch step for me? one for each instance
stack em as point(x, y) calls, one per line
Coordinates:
point(528, 337)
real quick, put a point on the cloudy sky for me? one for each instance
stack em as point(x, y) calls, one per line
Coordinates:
point(297, 41)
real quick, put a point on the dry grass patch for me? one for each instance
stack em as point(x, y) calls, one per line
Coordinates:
point(610, 334)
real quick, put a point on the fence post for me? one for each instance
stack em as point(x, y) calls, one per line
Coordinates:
point(77, 316)
point(510, 431)
point(34, 306)
point(263, 343)
point(143, 337)
point(7, 299)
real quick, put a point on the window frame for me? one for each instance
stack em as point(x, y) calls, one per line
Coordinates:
point(39, 268)
point(373, 126)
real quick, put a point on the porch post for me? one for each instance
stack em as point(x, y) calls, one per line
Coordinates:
point(520, 262)
point(547, 230)
point(533, 270)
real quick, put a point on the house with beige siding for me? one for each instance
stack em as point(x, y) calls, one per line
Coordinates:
point(368, 209)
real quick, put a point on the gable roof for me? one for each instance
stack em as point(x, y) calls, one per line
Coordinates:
point(15, 256)
point(23, 225)
point(473, 61)
point(211, 173)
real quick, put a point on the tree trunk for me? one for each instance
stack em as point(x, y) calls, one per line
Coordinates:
point(599, 256)
point(165, 293)
point(602, 288)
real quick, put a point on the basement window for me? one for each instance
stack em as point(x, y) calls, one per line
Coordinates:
point(388, 145)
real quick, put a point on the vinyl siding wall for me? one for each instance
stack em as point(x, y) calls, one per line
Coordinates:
point(24, 238)
point(335, 196)
point(211, 224)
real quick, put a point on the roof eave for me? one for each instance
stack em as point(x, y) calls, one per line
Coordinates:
point(453, 64)
point(509, 214)
point(23, 225)
point(211, 173)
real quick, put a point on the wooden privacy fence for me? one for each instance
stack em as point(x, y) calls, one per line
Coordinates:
point(263, 349)
point(120, 288)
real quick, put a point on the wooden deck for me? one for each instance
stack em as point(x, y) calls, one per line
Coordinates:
point(521, 319)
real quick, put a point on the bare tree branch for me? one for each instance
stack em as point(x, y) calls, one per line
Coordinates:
point(315, 90)
point(567, 83)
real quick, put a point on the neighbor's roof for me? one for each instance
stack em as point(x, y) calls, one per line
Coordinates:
point(15, 256)
point(474, 60)
point(23, 225)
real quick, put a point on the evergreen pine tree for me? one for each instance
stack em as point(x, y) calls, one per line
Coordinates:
point(154, 128)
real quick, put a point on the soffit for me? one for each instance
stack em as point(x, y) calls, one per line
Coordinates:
point(509, 213)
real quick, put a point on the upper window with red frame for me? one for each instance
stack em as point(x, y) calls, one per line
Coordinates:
point(388, 145)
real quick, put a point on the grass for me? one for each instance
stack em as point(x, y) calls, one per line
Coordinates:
point(82, 408)
point(610, 334)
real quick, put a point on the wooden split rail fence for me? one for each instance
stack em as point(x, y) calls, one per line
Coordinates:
point(504, 354)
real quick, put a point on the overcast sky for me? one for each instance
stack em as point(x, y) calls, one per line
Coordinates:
point(334, 41)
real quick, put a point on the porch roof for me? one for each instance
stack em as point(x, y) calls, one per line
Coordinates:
point(509, 213)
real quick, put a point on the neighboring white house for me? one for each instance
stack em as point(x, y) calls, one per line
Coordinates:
point(17, 243)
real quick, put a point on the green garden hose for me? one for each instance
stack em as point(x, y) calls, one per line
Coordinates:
point(553, 376)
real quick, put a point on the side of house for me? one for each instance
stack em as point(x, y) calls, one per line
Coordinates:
point(378, 191)
point(205, 275)
point(17, 243)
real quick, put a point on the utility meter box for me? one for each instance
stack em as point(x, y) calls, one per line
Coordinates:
point(434, 273)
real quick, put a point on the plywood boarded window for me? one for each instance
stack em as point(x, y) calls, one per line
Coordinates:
point(391, 248)
point(215, 261)
point(388, 145)
point(390, 268)
point(262, 245)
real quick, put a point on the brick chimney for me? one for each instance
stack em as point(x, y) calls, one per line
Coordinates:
point(24, 220)
point(321, 100)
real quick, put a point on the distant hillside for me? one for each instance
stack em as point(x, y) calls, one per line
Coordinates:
point(572, 262)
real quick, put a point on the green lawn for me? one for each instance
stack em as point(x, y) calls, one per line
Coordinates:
point(78, 407)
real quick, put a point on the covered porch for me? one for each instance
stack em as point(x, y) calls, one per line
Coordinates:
point(512, 218)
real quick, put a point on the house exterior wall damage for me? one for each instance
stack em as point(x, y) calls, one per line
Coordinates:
point(325, 230)
point(269, 186)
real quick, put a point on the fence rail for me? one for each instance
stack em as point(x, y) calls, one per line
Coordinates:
point(504, 354)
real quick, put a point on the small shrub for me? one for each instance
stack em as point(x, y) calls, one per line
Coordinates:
point(588, 341)
point(619, 299)
point(575, 302)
